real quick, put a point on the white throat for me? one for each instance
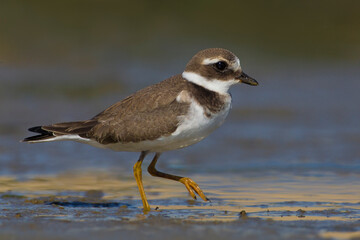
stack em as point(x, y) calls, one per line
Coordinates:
point(215, 85)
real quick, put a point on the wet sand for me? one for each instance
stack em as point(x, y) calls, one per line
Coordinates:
point(95, 203)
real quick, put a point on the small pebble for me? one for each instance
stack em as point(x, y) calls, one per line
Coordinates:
point(243, 214)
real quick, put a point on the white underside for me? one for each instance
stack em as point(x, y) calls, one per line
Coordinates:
point(193, 127)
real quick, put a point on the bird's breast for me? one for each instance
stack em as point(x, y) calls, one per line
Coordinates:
point(198, 123)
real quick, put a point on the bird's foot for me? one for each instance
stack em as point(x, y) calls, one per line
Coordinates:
point(193, 188)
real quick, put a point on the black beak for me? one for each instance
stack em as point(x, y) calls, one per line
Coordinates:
point(244, 78)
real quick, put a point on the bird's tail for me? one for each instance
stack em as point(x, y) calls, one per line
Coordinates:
point(60, 131)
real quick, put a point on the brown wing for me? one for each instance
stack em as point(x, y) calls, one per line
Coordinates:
point(146, 115)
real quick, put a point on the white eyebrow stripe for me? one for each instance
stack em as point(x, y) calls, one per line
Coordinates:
point(208, 61)
point(236, 65)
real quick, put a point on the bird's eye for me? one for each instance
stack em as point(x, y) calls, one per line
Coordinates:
point(221, 65)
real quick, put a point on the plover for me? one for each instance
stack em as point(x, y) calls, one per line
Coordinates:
point(172, 114)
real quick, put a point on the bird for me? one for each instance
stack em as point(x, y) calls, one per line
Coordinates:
point(172, 114)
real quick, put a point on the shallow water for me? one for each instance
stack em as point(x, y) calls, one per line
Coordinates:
point(282, 197)
point(103, 200)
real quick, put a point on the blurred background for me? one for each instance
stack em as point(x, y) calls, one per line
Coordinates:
point(69, 60)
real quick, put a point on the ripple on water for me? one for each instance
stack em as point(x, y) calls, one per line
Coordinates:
point(284, 197)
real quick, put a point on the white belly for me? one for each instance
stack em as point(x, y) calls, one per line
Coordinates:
point(193, 127)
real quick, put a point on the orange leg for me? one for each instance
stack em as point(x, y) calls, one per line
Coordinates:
point(138, 178)
point(190, 185)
